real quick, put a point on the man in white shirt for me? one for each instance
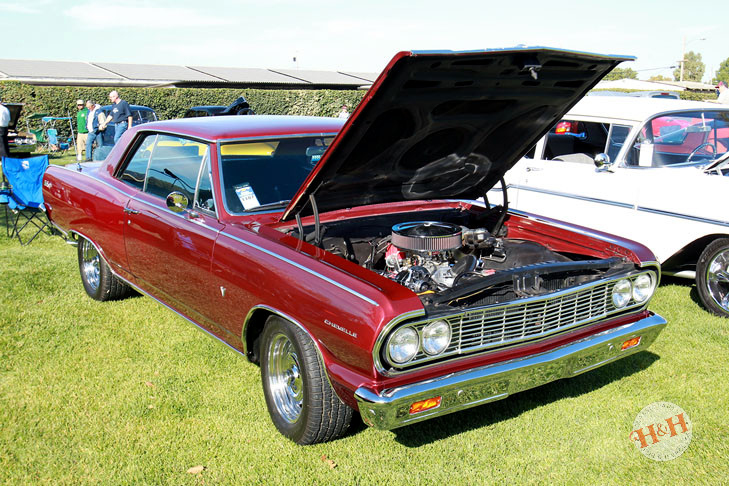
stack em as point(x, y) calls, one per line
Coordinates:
point(4, 122)
point(723, 93)
point(95, 125)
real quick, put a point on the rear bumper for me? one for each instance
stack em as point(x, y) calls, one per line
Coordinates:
point(390, 408)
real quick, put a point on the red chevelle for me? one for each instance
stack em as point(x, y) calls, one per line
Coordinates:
point(351, 260)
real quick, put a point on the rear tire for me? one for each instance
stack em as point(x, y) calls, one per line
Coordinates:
point(100, 284)
point(301, 402)
point(712, 277)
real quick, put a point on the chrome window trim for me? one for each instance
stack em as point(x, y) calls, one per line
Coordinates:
point(424, 363)
point(218, 145)
point(573, 196)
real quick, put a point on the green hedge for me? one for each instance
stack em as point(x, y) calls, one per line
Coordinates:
point(172, 102)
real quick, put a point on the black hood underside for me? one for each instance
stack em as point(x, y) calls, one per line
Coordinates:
point(447, 125)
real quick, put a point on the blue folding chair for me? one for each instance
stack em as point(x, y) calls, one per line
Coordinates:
point(54, 141)
point(24, 197)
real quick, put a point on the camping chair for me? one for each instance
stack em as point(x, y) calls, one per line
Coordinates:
point(53, 141)
point(25, 197)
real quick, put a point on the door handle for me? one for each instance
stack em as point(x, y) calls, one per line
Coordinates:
point(131, 211)
point(533, 169)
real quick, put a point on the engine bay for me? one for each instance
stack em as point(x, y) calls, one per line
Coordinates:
point(453, 259)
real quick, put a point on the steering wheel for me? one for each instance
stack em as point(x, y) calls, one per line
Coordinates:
point(694, 151)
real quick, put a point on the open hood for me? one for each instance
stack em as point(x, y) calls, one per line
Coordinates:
point(447, 125)
point(15, 109)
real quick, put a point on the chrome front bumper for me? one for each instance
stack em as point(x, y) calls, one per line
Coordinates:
point(390, 408)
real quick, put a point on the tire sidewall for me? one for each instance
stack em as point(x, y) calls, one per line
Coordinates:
point(702, 284)
point(275, 325)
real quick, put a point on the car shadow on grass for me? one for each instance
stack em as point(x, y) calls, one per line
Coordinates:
point(684, 282)
point(492, 413)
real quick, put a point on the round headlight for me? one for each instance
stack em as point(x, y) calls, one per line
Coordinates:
point(621, 293)
point(403, 345)
point(436, 337)
point(643, 288)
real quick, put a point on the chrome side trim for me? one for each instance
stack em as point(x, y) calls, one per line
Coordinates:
point(98, 249)
point(390, 408)
point(683, 216)
point(301, 267)
point(574, 196)
point(623, 205)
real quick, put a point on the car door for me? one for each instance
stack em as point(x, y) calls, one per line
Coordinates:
point(169, 249)
point(563, 182)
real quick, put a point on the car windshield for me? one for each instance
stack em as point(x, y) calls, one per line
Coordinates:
point(265, 174)
point(681, 138)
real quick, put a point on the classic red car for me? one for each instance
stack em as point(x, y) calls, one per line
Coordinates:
point(351, 259)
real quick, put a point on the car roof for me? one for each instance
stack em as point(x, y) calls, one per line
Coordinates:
point(633, 108)
point(257, 126)
point(131, 107)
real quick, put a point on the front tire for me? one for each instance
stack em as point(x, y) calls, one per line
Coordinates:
point(301, 402)
point(99, 283)
point(712, 277)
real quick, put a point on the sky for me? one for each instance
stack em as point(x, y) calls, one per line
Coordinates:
point(354, 36)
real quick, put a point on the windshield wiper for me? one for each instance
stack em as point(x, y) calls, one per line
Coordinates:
point(276, 204)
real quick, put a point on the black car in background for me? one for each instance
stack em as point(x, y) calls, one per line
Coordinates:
point(238, 107)
point(140, 115)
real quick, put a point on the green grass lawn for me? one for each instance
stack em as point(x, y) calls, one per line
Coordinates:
point(129, 393)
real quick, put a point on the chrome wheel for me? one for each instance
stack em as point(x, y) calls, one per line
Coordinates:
point(717, 279)
point(90, 262)
point(284, 378)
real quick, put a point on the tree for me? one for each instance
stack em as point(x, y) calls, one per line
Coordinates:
point(693, 69)
point(660, 77)
point(723, 73)
point(621, 73)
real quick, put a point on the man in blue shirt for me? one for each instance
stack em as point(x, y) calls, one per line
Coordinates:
point(120, 116)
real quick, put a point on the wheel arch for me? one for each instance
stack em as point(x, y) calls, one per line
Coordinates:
point(253, 326)
point(686, 257)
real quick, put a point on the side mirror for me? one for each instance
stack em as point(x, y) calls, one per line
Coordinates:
point(603, 162)
point(177, 202)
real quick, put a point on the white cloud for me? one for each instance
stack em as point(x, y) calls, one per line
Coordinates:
point(144, 16)
point(19, 9)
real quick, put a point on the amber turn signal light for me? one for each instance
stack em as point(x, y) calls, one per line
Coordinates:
point(630, 343)
point(424, 405)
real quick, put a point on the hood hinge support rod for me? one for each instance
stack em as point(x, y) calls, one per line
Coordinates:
point(317, 223)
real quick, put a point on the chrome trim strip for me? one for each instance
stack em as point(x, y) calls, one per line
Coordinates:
point(683, 216)
point(484, 349)
point(220, 232)
point(574, 196)
point(98, 249)
point(390, 408)
point(301, 267)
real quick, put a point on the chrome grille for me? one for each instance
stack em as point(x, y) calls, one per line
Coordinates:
point(524, 320)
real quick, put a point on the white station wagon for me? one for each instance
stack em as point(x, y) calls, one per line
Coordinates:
point(635, 167)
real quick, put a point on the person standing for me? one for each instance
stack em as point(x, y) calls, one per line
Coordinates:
point(120, 116)
point(723, 93)
point(343, 113)
point(94, 122)
point(81, 130)
point(4, 122)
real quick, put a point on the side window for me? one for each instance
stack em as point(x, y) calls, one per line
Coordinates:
point(175, 166)
point(576, 141)
point(204, 197)
point(136, 169)
point(616, 140)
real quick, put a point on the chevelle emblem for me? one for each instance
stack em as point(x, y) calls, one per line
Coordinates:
point(340, 328)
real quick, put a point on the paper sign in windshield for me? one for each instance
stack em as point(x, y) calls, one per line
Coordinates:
point(246, 195)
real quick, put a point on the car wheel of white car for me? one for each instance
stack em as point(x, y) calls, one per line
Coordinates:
point(300, 400)
point(712, 277)
point(99, 283)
